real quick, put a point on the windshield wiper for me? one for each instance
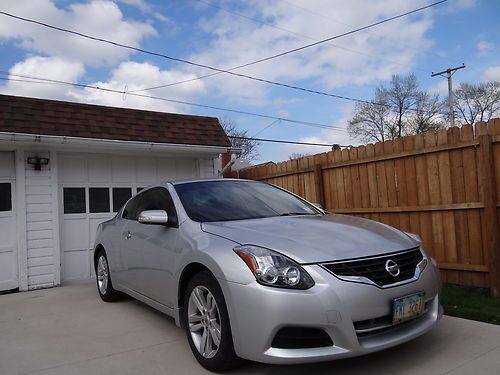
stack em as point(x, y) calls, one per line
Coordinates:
point(296, 213)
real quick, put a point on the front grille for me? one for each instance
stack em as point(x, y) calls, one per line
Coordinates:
point(373, 268)
point(301, 338)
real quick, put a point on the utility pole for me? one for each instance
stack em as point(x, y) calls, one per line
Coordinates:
point(451, 102)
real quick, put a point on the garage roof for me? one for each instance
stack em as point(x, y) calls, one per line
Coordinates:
point(58, 118)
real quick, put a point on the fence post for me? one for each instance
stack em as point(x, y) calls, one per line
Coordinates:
point(318, 182)
point(492, 240)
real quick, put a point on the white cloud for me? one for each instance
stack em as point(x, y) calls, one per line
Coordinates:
point(236, 41)
point(283, 113)
point(441, 87)
point(484, 46)
point(147, 8)
point(98, 18)
point(137, 76)
point(129, 75)
point(142, 5)
point(492, 74)
point(55, 68)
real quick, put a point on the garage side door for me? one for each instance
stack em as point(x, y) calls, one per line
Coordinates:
point(8, 232)
point(92, 188)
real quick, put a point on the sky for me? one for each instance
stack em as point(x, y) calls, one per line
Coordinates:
point(228, 33)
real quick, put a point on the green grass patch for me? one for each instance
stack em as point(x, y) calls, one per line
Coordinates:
point(470, 303)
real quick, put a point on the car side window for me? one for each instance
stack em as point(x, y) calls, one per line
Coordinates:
point(130, 210)
point(157, 198)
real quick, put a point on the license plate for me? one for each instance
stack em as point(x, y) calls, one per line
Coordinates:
point(407, 307)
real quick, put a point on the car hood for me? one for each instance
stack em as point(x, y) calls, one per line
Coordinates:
point(314, 239)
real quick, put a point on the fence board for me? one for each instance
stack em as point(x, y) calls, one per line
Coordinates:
point(363, 178)
point(458, 195)
point(372, 177)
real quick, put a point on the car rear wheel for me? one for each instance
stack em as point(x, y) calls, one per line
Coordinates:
point(206, 322)
point(104, 284)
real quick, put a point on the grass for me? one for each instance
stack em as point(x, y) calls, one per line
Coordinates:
point(470, 303)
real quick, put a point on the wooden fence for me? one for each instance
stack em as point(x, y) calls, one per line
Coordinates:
point(444, 186)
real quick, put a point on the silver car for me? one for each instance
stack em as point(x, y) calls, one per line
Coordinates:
point(252, 271)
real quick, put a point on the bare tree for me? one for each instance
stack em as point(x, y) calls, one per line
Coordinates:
point(428, 116)
point(401, 95)
point(477, 102)
point(239, 139)
point(297, 155)
point(370, 121)
point(397, 110)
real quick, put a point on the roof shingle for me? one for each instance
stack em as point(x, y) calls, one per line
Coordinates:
point(51, 117)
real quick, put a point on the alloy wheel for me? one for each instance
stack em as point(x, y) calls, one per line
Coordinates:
point(102, 274)
point(204, 321)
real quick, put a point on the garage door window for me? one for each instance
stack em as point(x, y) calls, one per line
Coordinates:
point(98, 200)
point(74, 200)
point(120, 197)
point(5, 197)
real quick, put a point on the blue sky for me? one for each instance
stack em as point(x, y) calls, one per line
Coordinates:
point(226, 33)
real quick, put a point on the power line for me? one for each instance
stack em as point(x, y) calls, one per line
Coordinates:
point(229, 136)
point(157, 54)
point(282, 141)
point(266, 127)
point(26, 80)
point(231, 70)
point(261, 22)
point(343, 23)
point(59, 82)
point(252, 19)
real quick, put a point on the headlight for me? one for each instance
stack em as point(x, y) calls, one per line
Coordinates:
point(273, 269)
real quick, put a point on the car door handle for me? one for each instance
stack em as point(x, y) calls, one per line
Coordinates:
point(128, 235)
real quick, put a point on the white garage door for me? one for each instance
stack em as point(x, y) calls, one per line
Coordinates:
point(92, 188)
point(8, 233)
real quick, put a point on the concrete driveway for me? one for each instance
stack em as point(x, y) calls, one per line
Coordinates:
point(69, 330)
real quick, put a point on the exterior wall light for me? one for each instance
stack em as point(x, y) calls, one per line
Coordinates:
point(37, 162)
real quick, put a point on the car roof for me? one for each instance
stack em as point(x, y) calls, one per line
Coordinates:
point(180, 182)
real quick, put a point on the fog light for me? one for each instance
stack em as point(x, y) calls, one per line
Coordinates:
point(291, 276)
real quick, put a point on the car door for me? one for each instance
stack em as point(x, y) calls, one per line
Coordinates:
point(150, 249)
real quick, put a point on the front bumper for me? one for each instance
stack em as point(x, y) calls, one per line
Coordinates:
point(257, 313)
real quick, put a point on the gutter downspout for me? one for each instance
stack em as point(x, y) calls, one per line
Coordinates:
point(228, 165)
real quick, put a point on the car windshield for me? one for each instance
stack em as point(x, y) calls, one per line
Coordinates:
point(225, 200)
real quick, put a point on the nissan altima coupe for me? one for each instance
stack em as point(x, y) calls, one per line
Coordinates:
point(252, 271)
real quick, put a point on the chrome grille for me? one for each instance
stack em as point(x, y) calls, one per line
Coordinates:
point(373, 269)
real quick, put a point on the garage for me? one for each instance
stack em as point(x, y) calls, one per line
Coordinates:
point(66, 167)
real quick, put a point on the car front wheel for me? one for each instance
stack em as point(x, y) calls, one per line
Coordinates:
point(104, 284)
point(206, 321)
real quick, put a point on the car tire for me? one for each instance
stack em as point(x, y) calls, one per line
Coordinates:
point(103, 279)
point(202, 323)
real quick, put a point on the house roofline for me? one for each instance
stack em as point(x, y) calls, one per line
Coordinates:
point(136, 145)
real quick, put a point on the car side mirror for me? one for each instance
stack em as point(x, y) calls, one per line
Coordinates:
point(153, 217)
